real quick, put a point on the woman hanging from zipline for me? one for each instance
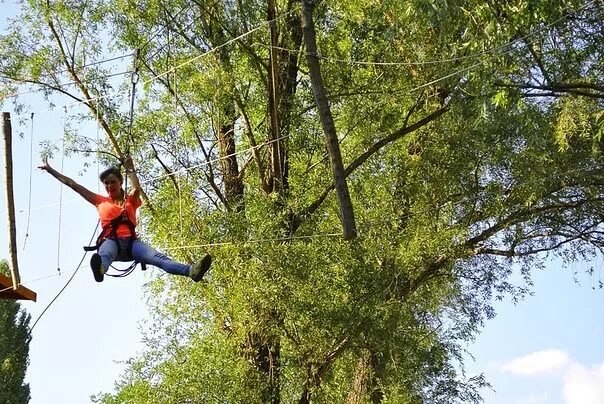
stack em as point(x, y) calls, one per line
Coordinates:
point(118, 239)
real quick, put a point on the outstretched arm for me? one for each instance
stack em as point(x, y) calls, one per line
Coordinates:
point(85, 193)
point(135, 186)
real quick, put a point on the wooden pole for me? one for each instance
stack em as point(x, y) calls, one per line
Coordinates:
point(10, 201)
point(329, 128)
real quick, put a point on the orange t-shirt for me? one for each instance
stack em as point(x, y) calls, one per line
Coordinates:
point(109, 211)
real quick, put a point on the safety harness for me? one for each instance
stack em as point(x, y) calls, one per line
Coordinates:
point(109, 231)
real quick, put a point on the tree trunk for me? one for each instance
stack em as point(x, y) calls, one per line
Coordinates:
point(333, 145)
point(365, 380)
point(267, 360)
point(233, 185)
point(225, 125)
point(276, 147)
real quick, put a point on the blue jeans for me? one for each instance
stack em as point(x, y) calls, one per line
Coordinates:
point(142, 253)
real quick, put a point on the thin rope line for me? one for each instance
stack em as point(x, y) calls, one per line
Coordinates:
point(55, 298)
point(230, 41)
point(10, 287)
point(50, 275)
point(98, 156)
point(61, 196)
point(50, 205)
point(59, 293)
point(189, 61)
point(31, 163)
point(495, 50)
point(30, 281)
point(254, 241)
point(213, 160)
point(444, 77)
point(66, 84)
point(282, 239)
point(159, 31)
point(179, 180)
point(98, 62)
point(283, 137)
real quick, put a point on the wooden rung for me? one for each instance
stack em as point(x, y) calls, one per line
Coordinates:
point(22, 293)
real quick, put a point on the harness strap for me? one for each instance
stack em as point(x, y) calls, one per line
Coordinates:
point(110, 232)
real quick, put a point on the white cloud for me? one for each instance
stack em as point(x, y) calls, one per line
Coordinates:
point(547, 361)
point(580, 384)
point(584, 385)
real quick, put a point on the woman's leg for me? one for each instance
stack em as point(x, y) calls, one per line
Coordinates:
point(141, 252)
point(108, 252)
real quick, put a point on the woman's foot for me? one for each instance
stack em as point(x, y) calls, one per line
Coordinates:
point(199, 269)
point(97, 267)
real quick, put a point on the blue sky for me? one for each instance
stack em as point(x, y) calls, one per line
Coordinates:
point(546, 349)
point(77, 341)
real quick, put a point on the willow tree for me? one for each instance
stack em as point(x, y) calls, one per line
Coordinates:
point(470, 139)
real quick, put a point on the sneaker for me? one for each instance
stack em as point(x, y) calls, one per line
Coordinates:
point(199, 269)
point(97, 267)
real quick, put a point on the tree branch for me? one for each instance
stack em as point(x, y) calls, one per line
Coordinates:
point(554, 89)
point(299, 217)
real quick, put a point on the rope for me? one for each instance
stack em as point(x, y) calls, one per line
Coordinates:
point(133, 80)
point(255, 241)
point(31, 163)
point(60, 85)
point(59, 293)
point(129, 140)
point(506, 48)
point(61, 196)
point(98, 140)
point(159, 31)
point(184, 170)
point(187, 62)
point(502, 49)
point(55, 298)
point(170, 60)
point(5, 289)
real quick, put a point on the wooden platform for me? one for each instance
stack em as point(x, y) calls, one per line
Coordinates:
point(22, 293)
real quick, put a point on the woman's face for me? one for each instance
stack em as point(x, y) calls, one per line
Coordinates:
point(113, 186)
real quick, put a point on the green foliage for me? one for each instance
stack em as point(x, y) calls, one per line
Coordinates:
point(471, 136)
point(14, 350)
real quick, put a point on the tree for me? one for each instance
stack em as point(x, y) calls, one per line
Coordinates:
point(469, 134)
point(14, 350)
